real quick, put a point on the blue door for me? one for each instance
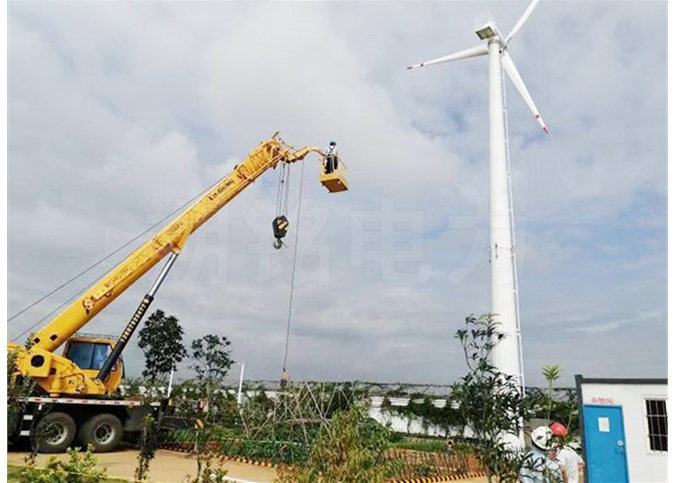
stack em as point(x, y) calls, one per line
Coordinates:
point(605, 445)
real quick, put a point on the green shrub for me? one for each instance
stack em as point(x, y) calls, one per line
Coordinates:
point(77, 468)
point(351, 450)
point(423, 470)
point(209, 474)
point(428, 446)
point(422, 407)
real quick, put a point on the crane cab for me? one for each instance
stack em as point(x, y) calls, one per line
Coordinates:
point(89, 352)
point(333, 175)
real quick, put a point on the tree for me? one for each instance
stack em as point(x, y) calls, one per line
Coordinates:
point(212, 359)
point(161, 340)
point(148, 443)
point(490, 402)
point(212, 362)
point(18, 388)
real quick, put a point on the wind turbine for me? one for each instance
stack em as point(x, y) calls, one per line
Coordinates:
point(507, 356)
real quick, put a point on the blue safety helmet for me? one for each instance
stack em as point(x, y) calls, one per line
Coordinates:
point(332, 143)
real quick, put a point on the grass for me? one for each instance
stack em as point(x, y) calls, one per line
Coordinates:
point(14, 473)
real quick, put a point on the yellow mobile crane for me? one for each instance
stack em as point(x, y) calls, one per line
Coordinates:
point(77, 386)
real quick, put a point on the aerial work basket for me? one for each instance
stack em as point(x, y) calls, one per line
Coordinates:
point(333, 175)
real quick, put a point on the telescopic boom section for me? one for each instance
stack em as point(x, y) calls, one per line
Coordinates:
point(171, 239)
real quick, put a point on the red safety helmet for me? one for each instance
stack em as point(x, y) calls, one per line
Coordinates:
point(559, 429)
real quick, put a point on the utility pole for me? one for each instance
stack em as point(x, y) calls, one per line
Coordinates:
point(241, 379)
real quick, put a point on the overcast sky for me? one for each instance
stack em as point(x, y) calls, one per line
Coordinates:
point(118, 113)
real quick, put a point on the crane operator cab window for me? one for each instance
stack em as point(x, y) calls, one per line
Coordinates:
point(88, 355)
point(333, 175)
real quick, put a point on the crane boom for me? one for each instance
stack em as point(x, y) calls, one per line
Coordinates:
point(171, 239)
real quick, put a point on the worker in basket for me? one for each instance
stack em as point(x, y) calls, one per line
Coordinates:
point(331, 159)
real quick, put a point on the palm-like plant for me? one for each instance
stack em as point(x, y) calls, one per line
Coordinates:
point(551, 373)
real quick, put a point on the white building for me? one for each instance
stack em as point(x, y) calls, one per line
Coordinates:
point(624, 429)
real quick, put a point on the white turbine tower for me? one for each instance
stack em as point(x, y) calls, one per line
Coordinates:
point(507, 356)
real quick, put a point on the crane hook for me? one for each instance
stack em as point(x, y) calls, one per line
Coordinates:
point(279, 228)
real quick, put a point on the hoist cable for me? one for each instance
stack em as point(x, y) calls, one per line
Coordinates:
point(91, 267)
point(293, 271)
point(283, 190)
point(286, 190)
point(280, 184)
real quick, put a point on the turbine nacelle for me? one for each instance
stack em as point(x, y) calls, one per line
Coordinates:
point(488, 31)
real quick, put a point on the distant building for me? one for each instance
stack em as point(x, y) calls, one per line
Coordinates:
point(624, 429)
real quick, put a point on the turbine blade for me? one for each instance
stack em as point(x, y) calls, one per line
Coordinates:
point(513, 73)
point(522, 20)
point(464, 54)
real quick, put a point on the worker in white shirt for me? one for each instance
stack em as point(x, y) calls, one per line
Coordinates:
point(566, 455)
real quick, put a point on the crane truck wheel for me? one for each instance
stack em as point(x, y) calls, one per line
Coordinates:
point(103, 432)
point(55, 433)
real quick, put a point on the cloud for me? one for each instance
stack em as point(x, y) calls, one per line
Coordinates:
point(119, 113)
point(592, 327)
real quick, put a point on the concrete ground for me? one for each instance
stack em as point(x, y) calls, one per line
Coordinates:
point(167, 467)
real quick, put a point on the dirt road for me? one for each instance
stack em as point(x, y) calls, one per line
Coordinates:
point(167, 467)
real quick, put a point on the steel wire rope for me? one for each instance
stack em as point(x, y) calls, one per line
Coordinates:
point(293, 271)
